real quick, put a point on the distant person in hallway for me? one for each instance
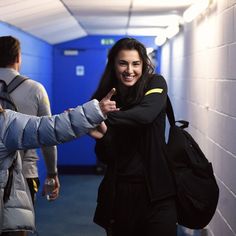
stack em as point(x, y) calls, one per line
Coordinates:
point(136, 195)
point(30, 98)
point(20, 131)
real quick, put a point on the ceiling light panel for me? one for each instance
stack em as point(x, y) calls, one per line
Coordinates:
point(145, 31)
point(97, 5)
point(103, 31)
point(62, 20)
point(105, 22)
point(154, 20)
point(27, 7)
point(46, 19)
point(4, 3)
point(98, 17)
point(161, 4)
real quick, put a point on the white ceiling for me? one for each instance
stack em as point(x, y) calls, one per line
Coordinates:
point(56, 21)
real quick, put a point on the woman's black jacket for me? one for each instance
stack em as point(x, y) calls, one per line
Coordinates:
point(144, 123)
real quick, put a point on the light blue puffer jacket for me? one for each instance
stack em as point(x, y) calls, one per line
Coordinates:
point(19, 131)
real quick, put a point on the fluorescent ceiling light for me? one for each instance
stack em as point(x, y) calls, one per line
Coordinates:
point(160, 39)
point(195, 10)
point(156, 20)
point(149, 50)
point(172, 30)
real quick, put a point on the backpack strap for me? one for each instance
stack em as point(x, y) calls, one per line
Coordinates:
point(171, 116)
point(170, 112)
point(17, 81)
point(7, 188)
point(3, 85)
point(4, 95)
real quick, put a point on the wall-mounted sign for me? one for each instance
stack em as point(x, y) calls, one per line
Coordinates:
point(71, 52)
point(80, 70)
point(107, 41)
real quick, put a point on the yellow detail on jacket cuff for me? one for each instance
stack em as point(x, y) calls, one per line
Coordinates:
point(35, 186)
point(156, 90)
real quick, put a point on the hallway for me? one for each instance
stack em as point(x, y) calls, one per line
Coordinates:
point(198, 64)
point(72, 213)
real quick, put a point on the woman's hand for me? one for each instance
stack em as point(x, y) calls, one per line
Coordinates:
point(106, 104)
point(99, 131)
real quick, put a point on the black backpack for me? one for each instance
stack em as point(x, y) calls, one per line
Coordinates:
point(197, 192)
point(5, 90)
point(7, 103)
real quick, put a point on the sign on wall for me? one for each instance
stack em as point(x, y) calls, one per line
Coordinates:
point(80, 70)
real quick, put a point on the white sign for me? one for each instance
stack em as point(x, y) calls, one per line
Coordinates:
point(80, 70)
point(70, 52)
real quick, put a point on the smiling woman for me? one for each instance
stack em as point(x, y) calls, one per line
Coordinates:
point(128, 67)
point(136, 196)
point(127, 61)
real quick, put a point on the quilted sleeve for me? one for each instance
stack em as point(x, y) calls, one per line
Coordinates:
point(22, 131)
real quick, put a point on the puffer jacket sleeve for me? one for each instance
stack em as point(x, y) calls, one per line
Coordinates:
point(23, 131)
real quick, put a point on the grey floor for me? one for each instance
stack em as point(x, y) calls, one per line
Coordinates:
point(72, 213)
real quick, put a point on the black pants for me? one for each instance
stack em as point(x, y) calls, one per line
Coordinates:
point(135, 215)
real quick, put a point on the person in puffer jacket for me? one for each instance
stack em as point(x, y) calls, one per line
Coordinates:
point(19, 132)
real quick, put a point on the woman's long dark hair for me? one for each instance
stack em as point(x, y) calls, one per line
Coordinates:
point(109, 80)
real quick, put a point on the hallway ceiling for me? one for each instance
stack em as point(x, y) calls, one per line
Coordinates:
point(56, 21)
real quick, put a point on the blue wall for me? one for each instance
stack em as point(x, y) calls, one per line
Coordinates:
point(36, 56)
point(37, 60)
point(70, 90)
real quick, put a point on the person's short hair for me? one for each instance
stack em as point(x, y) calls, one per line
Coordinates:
point(9, 50)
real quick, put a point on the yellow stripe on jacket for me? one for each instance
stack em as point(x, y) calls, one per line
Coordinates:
point(155, 90)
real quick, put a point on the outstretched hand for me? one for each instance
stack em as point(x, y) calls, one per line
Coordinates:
point(106, 104)
point(99, 131)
